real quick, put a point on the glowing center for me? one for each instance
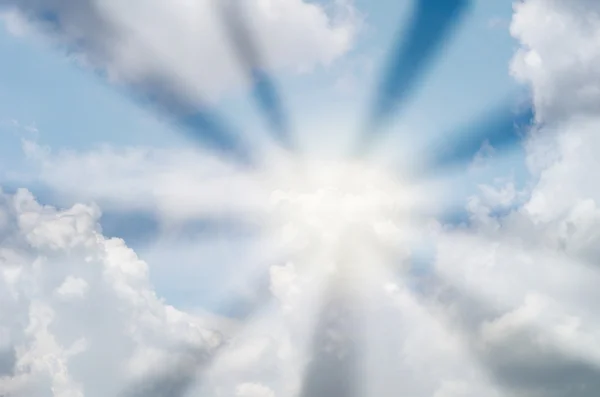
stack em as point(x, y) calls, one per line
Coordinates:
point(326, 203)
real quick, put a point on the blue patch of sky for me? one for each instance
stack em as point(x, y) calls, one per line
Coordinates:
point(221, 274)
point(69, 105)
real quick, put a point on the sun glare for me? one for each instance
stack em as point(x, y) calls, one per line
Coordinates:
point(338, 211)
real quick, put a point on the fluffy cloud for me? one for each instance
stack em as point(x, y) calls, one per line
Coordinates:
point(79, 316)
point(521, 288)
point(558, 55)
point(557, 60)
point(181, 43)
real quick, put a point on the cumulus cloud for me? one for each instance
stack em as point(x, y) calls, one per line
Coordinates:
point(79, 315)
point(181, 43)
point(558, 55)
point(562, 152)
point(521, 287)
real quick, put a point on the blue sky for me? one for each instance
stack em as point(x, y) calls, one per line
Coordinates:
point(72, 108)
point(43, 88)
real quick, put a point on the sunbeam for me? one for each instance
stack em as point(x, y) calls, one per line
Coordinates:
point(193, 368)
point(522, 284)
point(335, 366)
point(163, 93)
point(266, 94)
point(485, 325)
point(432, 21)
point(499, 131)
point(188, 111)
point(412, 349)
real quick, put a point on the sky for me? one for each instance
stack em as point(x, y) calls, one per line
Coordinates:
point(299, 198)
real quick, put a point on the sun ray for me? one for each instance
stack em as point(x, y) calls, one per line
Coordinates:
point(429, 28)
point(498, 131)
point(163, 93)
point(348, 228)
point(474, 316)
point(503, 274)
point(192, 365)
point(265, 92)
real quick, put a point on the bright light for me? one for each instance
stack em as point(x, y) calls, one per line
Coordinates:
point(339, 210)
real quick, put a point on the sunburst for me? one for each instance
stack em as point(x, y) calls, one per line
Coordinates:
point(344, 224)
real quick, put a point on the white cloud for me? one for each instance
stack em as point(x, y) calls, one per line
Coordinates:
point(14, 23)
point(522, 287)
point(72, 287)
point(253, 390)
point(182, 43)
point(176, 184)
point(76, 304)
point(559, 54)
